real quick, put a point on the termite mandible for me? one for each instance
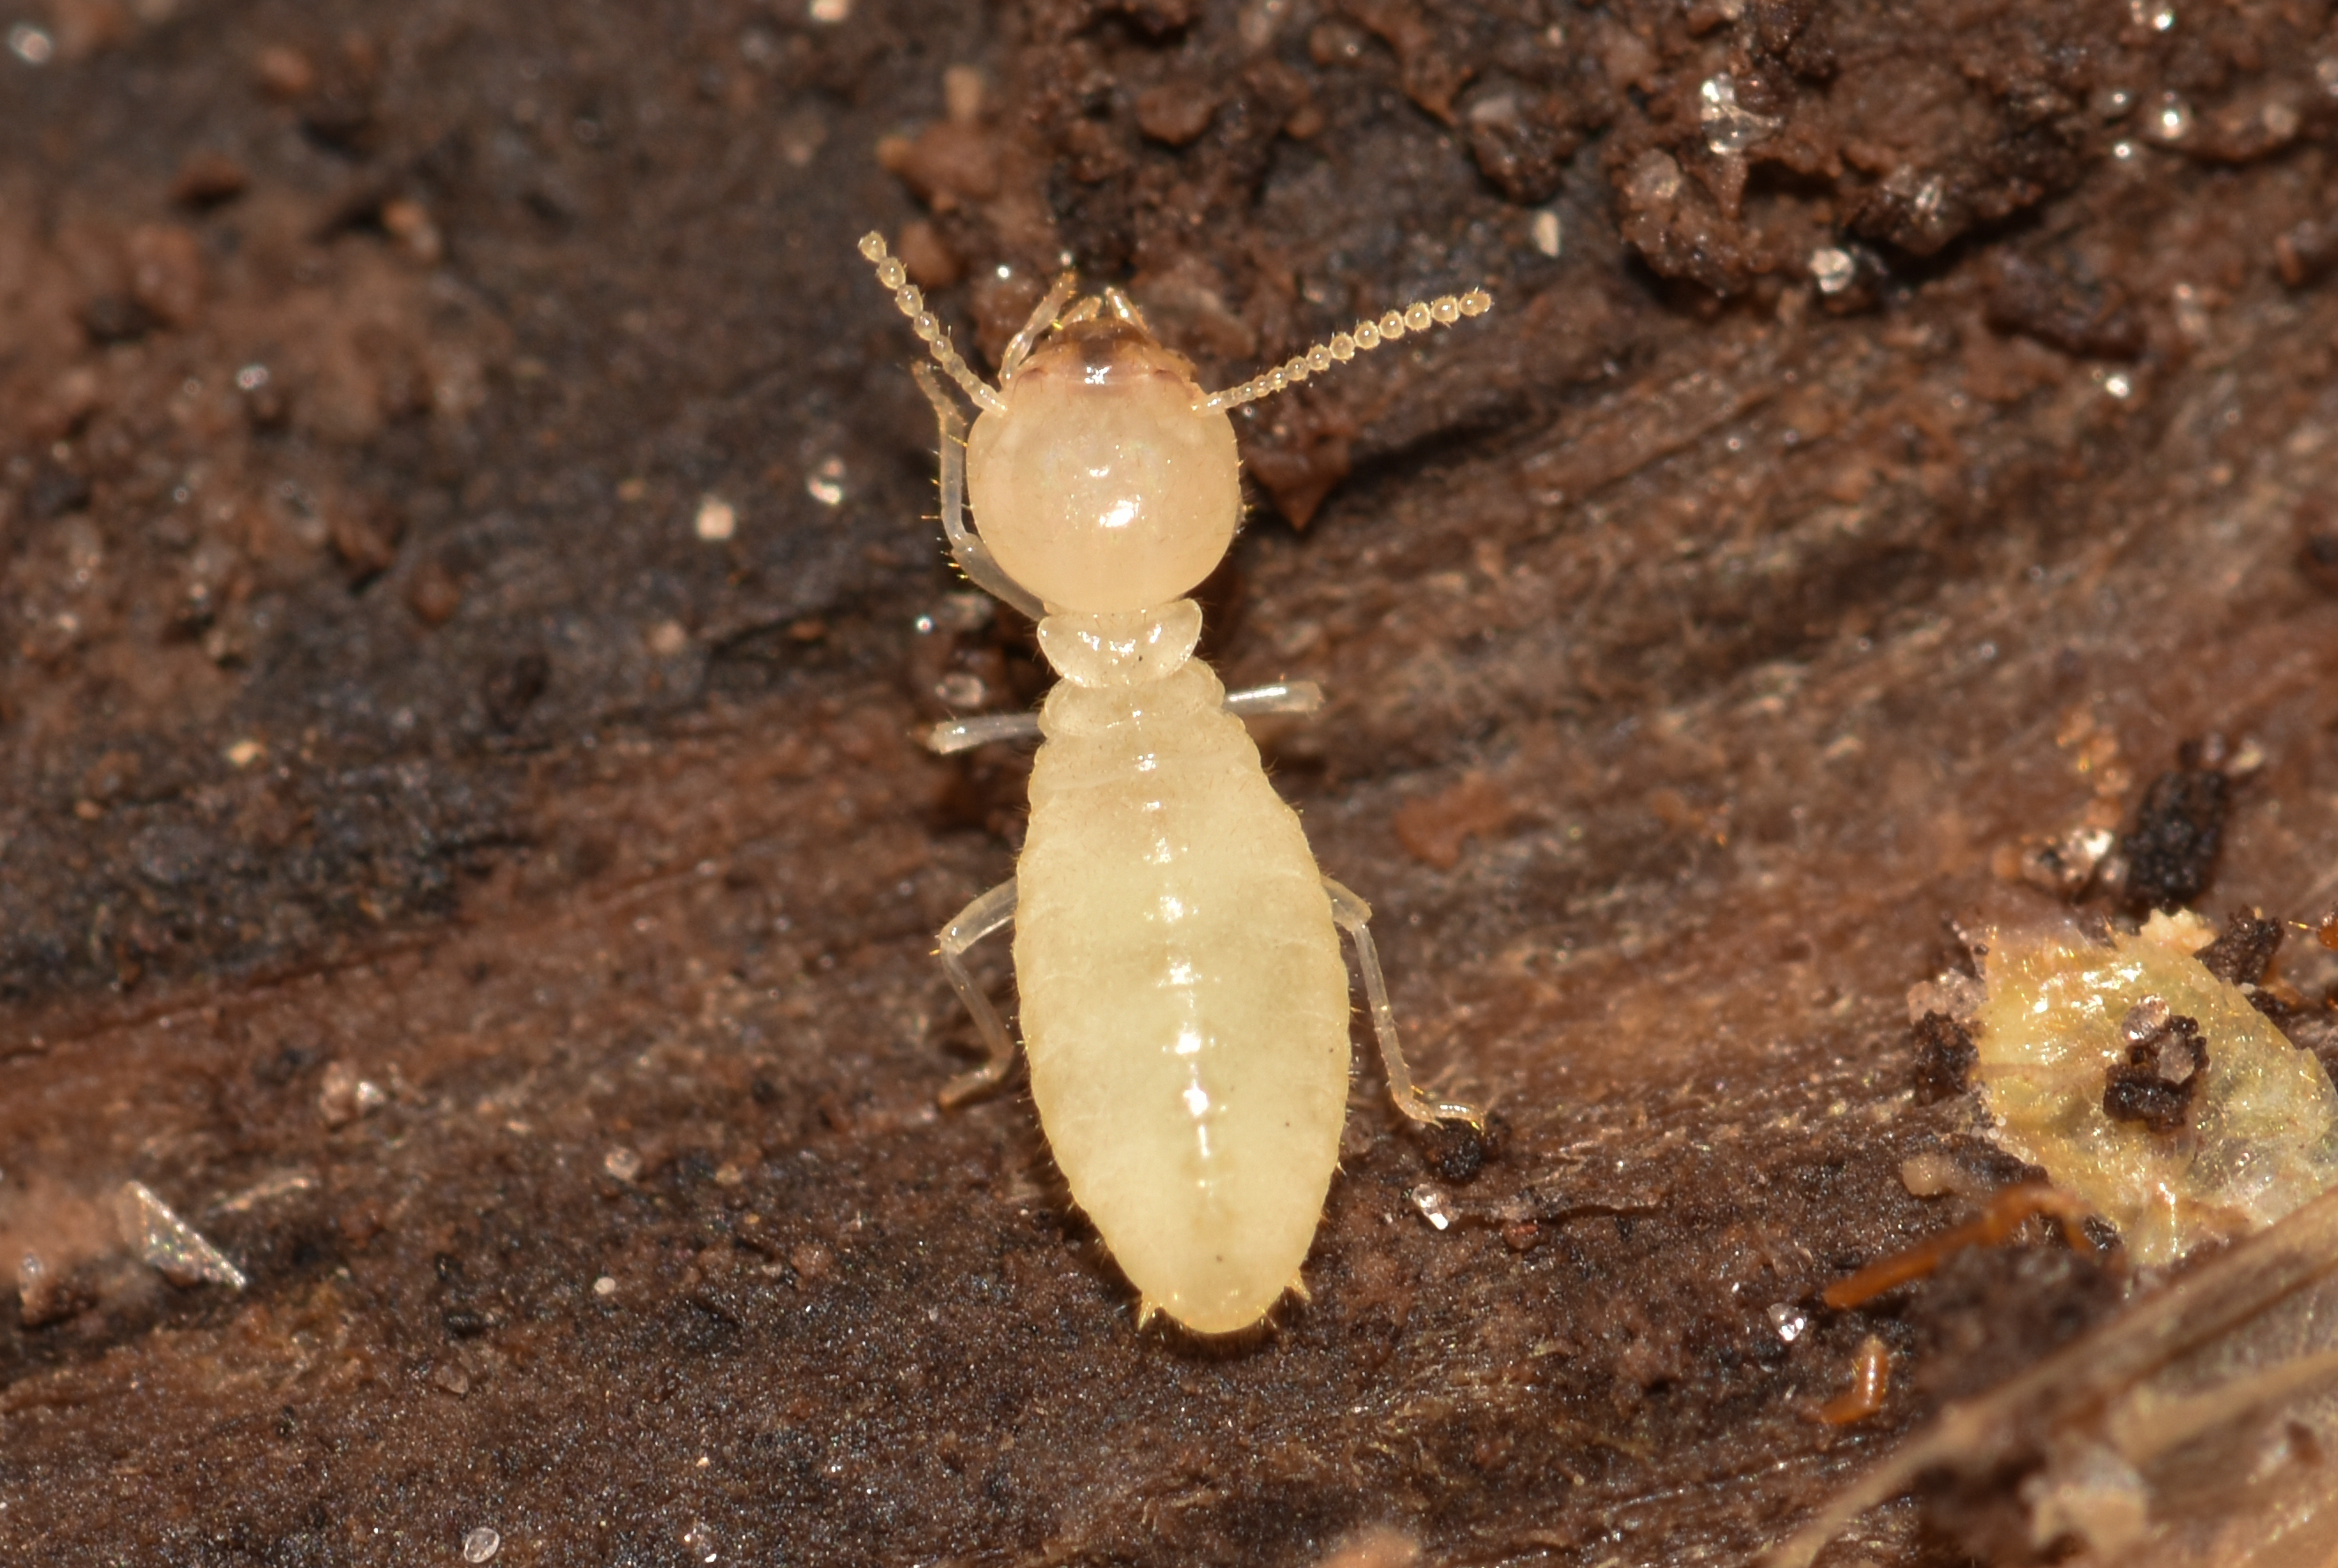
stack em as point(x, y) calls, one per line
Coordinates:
point(1184, 1005)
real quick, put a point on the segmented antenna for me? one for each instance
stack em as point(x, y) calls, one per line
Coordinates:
point(1364, 336)
point(913, 304)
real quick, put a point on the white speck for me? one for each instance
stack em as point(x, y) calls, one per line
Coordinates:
point(623, 1163)
point(244, 753)
point(1833, 268)
point(830, 12)
point(2110, 102)
point(667, 638)
point(30, 44)
point(2172, 120)
point(251, 377)
point(168, 1244)
point(1430, 1199)
point(2159, 17)
point(1545, 232)
point(604, 1286)
point(2191, 313)
point(1789, 1321)
point(481, 1545)
point(960, 689)
point(1728, 128)
point(1197, 1100)
point(2117, 384)
point(826, 484)
point(717, 519)
point(2123, 150)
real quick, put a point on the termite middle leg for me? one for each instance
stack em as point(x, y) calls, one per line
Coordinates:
point(1353, 916)
point(991, 912)
point(1303, 698)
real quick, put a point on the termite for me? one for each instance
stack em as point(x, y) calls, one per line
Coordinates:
point(1184, 1005)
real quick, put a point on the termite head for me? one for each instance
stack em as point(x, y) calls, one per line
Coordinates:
point(1103, 479)
point(1105, 483)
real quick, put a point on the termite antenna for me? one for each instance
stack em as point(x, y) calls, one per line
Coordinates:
point(1365, 336)
point(913, 304)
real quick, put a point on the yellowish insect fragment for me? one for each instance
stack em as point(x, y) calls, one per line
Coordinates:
point(1184, 1006)
point(2087, 1056)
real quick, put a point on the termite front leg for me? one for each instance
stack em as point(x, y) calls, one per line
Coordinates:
point(1353, 916)
point(990, 913)
point(972, 556)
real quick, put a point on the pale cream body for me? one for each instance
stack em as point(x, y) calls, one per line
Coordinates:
point(1184, 1006)
point(1184, 1003)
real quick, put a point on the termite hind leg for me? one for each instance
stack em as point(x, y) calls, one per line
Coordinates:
point(973, 558)
point(966, 734)
point(1303, 698)
point(991, 912)
point(1353, 916)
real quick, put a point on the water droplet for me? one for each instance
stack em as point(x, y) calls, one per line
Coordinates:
point(1788, 1321)
point(826, 484)
point(1730, 128)
point(1430, 1199)
point(481, 1545)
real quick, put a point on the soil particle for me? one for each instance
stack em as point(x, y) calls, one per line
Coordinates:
point(1945, 1055)
point(2157, 1082)
point(2172, 844)
point(2245, 950)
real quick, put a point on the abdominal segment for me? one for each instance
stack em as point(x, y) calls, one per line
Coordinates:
point(1184, 1010)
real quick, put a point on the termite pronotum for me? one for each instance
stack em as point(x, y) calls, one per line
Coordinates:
point(1184, 1007)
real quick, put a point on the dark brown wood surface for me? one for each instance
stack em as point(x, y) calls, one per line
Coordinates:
point(1906, 450)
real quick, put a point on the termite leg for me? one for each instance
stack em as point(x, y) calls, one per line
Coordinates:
point(966, 734)
point(972, 557)
point(1300, 697)
point(988, 914)
point(1018, 347)
point(1353, 916)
